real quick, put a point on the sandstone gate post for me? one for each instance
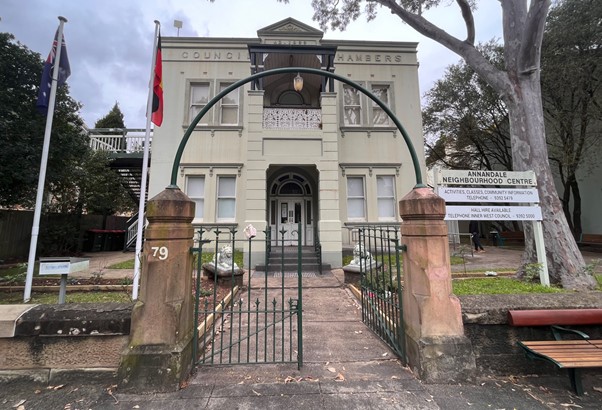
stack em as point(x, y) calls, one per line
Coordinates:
point(437, 349)
point(159, 353)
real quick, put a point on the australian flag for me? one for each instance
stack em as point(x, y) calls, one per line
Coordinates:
point(64, 72)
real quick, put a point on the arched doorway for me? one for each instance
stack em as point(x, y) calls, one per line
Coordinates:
point(292, 199)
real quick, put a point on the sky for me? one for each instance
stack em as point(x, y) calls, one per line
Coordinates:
point(110, 41)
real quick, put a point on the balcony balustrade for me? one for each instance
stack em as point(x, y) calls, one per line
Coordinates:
point(292, 118)
point(121, 141)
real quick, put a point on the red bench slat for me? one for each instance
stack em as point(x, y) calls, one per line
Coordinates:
point(558, 317)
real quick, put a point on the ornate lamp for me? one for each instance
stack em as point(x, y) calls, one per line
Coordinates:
point(298, 83)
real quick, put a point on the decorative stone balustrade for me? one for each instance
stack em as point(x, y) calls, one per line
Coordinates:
point(292, 118)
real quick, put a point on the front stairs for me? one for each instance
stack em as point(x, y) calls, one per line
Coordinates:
point(285, 260)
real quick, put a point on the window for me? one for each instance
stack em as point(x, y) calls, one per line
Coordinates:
point(199, 97)
point(356, 203)
point(229, 106)
point(385, 193)
point(226, 198)
point(352, 107)
point(195, 189)
point(379, 117)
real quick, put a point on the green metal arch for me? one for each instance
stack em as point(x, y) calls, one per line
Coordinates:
point(285, 70)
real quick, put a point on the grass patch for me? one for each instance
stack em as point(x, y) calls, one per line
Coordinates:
point(599, 279)
point(498, 286)
point(456, 260)
point(49, 298)
point(207, 257)
point(129, 264)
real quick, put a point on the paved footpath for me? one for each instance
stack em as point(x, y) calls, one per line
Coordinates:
point(345, 367)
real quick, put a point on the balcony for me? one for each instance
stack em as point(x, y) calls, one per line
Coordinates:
point(292, 118)
point(118, 141)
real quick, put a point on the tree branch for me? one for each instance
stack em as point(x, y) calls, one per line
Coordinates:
point(496, 78)
point(468, 19)
point(532, 36)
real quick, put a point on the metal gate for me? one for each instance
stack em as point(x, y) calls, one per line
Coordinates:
point(249, 317)
point(378, 251)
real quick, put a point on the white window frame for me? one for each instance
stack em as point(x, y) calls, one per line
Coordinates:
point(236, 93)
point(196, 198)
point(355, 198)
point(388, 197)
point(359, 105)
point(221, 197)
point(376, 108)
point(207, 118)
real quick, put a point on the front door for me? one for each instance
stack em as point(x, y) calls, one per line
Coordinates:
point(290, 214)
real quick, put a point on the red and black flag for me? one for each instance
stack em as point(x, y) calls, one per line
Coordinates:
point(157, 116)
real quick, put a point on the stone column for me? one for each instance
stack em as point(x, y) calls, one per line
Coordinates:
point(437, 349)
point(159, 353)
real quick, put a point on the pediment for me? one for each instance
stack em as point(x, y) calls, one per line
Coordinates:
point(289, 27)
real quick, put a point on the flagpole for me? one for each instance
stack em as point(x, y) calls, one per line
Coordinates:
point(35, 230)
point(141, 216)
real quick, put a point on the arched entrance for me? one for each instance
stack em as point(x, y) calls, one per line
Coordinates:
point(292, 199)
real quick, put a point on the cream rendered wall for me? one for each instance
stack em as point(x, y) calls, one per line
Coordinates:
point(247, 150)
point(373, 151)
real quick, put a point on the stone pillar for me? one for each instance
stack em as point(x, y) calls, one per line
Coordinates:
point(159, 353)
point(437, 349)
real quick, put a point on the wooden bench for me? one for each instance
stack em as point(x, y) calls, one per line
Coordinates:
point(513, 236)
point(572, 355)
point(590, 239)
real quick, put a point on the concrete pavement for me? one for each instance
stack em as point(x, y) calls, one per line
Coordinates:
point(346, 366)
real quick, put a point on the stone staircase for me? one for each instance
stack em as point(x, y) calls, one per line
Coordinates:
point(287, 257)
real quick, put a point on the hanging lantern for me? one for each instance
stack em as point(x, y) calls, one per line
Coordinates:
point(298, 83)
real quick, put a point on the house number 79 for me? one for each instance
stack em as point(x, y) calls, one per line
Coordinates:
point(161, 251)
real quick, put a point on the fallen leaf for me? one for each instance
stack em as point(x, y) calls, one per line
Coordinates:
point(136, 407)
point(339, 378)
point(599, 389)
point(241, 382)
point(384, 354)
point(571, 405)
point(20, 403)
point(38, 391)
point(258, 394)
point(395, 377)
point(289, 379)
point(21, 407)
point(60, 386)
point(332, 370)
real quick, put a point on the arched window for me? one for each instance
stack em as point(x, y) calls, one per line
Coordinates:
point(290, 97)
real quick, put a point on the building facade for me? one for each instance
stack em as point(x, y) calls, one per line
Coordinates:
point(325, 156)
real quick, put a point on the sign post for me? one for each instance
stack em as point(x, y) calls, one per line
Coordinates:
point(472, 191)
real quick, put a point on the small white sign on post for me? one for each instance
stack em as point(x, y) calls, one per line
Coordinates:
point(63, 267)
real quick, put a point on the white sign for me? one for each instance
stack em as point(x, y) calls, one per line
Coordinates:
point(510, 195)
point(62, 266)
point(470, 177)
point(493, 213)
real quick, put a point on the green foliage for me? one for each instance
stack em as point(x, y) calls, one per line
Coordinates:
point(465, 120)
point(114, 119)
point(129, 264)
point(498, 285)
point(533, 271)
point(14, 275)
point(50, 298)
point(22, 128)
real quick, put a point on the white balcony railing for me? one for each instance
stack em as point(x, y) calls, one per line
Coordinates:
point(292, 118)
point(117, 140)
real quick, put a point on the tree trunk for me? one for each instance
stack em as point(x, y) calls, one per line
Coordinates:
point(577, 227)
point(529, 151)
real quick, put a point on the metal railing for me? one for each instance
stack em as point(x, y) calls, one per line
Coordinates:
point(379, 258)
point(255, 323)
